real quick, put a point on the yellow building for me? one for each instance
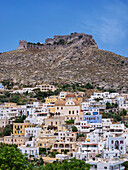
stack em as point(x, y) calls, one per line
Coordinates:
point(50, 103)
point(46, 140)
point(19, 128)
point(80, 98)
point(51, 99)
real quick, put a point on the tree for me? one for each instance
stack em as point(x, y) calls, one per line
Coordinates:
point(108, 105)
point(7, 130)
point(74, 129)
point(20, 119)
point(88, 86)
point(7, 94)
point(80, 135)
point(74, 164)
point(98, 155)
point(112, 90)
point(68, 122)
point(15, 98)
point(12, 159)
point(62, 41)
point(123, 112)
point(53, 154)
point(117, 118)
point(125, 164)
point(42, 151)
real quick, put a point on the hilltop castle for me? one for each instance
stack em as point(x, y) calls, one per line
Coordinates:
point(61, 40)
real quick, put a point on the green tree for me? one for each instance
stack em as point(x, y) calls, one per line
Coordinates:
point(112, 90)
point(68, 122)
point(88, 86)
point(108, 105)
point(7, 130)
point(123, 112)
point(12, 159)
point(117, 118)
point(7, 94)
point(80, 135)
point(15, 98)
point(74, 164)
point(125, 164)
point(74, 129)
point(62, 41)
point(20, 119)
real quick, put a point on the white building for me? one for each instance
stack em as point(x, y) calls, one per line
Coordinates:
point(34, 131)
point(29, 150)
point(106, 124)
point(24, 90)
point(110, 154)
point(62, 157)
point(62, 95)
point(109, 165)
point(117, 128)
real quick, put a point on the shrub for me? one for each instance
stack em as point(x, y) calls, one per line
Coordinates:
point(80, 36)
point(74, 129)
point(88, 86)
point(70, 121)
point(62, 42)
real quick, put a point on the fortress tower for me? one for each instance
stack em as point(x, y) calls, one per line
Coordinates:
point(22, 44)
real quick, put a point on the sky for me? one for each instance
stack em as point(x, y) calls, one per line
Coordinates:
point(36, 20)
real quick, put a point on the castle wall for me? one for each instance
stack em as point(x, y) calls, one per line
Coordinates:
point(61, 40)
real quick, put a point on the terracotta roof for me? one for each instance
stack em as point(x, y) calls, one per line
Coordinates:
point(63, 102)
point(71, 95)
point(77, 103)
point(60, 103)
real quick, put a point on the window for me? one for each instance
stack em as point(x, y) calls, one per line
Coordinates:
point(57, 108)
point(105, 167)
point(61, 108)
point(72, 112)
point(121, 142)
point(69, 112)
point(112, 141)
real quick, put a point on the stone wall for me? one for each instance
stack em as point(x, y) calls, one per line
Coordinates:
point(80, 39)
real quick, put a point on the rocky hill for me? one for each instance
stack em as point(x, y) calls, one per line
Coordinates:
point(64, 60)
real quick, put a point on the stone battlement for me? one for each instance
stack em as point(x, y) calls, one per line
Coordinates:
point(80, 39)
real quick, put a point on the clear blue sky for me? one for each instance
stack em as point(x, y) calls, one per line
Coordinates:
point(36, 20)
